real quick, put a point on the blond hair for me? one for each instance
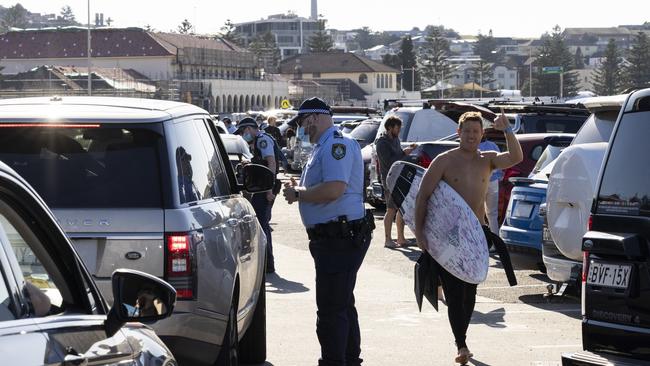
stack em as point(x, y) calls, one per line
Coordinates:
point(470, 116)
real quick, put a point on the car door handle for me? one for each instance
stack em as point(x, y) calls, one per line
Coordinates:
point(247, 219)
point(233, 222)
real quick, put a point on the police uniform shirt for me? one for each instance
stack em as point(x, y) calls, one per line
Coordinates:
point(264, 145)
point(335, 158)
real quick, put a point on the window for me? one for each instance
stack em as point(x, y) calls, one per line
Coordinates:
point(113, 165)
point(378, 82)
point(625, 187)
point(6, 306)
point(194, 176)
point(390, 81)
point(285, 39)
point(221, 186)
point(363, 79)
point(501, 76)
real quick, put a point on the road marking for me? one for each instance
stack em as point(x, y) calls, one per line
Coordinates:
point(508, 287)
point(556, 346)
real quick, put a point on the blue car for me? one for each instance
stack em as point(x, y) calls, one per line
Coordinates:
point(522, 227)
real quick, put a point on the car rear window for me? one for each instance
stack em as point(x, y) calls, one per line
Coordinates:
point(98, 166)
point(597, 128)
point(625, 187)
point(559, 124)
point(365, 132)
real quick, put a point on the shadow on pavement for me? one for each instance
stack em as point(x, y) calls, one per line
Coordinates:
point(279, 285)
point(493, 319)
point(475, 362)
point(411, 251)
point(566, 304)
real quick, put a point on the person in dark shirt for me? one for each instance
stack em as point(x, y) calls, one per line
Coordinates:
point(272, 130)
point(389, 150)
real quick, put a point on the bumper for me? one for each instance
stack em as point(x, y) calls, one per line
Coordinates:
point(585, 358)
point(375, 192)
point(524, 247)
point(561, 269)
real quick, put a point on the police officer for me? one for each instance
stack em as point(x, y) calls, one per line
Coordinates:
point(331, 207)
point(262, 147)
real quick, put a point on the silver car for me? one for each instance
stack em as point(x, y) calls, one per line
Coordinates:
point(147, 185)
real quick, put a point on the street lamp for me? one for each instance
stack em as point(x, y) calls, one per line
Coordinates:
point(88, 55)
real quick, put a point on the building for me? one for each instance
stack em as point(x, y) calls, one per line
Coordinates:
point(206, 71)
point(378, 81)
point(291, 32)
point(377, 53)
point(600, 36)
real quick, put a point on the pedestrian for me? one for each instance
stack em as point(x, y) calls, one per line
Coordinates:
point(492, 195)
point(330, 199)
point(262, 148)
point(229, 125)
point(467, 170)
point(389, 150)
point(273, 130)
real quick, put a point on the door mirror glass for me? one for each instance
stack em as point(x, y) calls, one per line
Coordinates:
point(141, 297)
point(257, 178)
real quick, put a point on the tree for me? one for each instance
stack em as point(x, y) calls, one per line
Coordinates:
point(554, 52)
point(638, 71)
point(607, 79)
point(320, 41)
point(579, 62)
point(14, 17)
point(185, 27)
point(364, 38)
point(483, 73)
point(149, 28)
point(67, 15)
point(408, 61)
point(229, 33)
point(486, 48)
point(433, 57)
point(267, 52)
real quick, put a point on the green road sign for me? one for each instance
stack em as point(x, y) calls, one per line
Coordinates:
point(552, 70)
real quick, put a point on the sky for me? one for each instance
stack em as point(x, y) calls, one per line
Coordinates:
point(518, 18)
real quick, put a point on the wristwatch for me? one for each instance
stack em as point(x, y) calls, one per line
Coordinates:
point(297, 194)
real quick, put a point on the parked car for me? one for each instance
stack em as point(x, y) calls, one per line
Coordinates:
point(615, 276)
point(546, 118)
point(147, 185)
point(51, 311)
point(571, 188)
point(522, 227)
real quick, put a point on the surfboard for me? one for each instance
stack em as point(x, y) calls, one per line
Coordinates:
point(455, 238)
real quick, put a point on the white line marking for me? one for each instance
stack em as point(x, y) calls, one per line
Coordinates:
point(557, 346)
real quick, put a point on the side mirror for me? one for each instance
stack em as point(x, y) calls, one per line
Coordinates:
point(138, 297)
point(257, 178)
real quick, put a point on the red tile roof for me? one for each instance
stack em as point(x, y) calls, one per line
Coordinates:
point(124, 42)
point(332, 62)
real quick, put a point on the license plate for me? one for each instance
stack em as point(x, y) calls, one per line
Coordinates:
point(546, 235)
point(522, 209)
point(609, 275)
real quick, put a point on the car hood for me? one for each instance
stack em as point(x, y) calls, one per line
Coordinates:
point(571, 189)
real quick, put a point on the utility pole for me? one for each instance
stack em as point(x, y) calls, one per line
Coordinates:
point(561, 85)
point(530, 76)
point(90, 83)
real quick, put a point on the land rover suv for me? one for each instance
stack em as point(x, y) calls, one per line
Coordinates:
point(616, 249)
point(147, 185)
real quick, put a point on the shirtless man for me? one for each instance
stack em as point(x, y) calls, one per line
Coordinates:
point(467, 170)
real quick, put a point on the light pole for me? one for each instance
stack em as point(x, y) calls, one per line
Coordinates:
point(88, 56)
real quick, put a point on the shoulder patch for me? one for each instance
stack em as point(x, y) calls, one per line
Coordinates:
point(263, 144)
point(338, 151)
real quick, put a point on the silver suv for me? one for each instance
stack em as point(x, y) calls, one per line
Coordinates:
point(147, 185)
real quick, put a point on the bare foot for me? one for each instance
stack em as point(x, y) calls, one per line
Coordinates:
point(463, 356)
point(402, 243)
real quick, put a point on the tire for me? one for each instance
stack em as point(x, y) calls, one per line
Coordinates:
point(252, 348)
point(229, 353)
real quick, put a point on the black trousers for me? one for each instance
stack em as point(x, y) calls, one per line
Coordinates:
point(461, 298)
point(337, 262)
point(262, 208)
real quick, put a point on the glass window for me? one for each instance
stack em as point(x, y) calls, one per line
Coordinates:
point(625, 187)
point(6, 306)
point(597, 128)
point(365, 132)
point(221, 186)
point(194, 176)
point(363, 79)
point(111, 165)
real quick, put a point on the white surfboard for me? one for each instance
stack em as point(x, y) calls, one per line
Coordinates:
point(454, 235)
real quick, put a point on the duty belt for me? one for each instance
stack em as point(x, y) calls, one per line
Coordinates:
point(342, 228)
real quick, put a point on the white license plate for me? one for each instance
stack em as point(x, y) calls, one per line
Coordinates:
point(609, 275)
point(523, 209)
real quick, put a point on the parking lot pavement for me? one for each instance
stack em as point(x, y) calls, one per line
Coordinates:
point(510, 325)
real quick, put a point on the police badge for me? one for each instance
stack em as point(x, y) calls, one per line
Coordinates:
point(338, 151)
point(263, 144)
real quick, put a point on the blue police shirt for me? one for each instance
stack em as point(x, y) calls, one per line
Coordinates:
point(335, 158)
point(491, 146)
point(265, 145)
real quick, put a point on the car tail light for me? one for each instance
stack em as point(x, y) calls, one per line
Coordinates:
point(510, 173)
point(424, 160)
point(585, 266)
point(590, 222)
point(180, 268)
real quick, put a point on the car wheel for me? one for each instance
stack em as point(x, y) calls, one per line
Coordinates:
point(229, 353)
point(253, 345)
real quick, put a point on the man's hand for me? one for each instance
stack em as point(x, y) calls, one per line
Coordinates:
point(289, 191)
point(501, 122)
point(421, 241)
point(410, 149)
point(270, 196)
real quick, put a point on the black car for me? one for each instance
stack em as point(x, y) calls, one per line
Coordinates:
point(51, 311)
point(616, 249)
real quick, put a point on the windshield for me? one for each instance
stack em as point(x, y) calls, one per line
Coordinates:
point(625, 187)
point(365, 132)
point(406, 118)
point(109, 166)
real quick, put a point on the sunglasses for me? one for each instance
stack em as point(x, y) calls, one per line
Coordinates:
point(304, 118)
